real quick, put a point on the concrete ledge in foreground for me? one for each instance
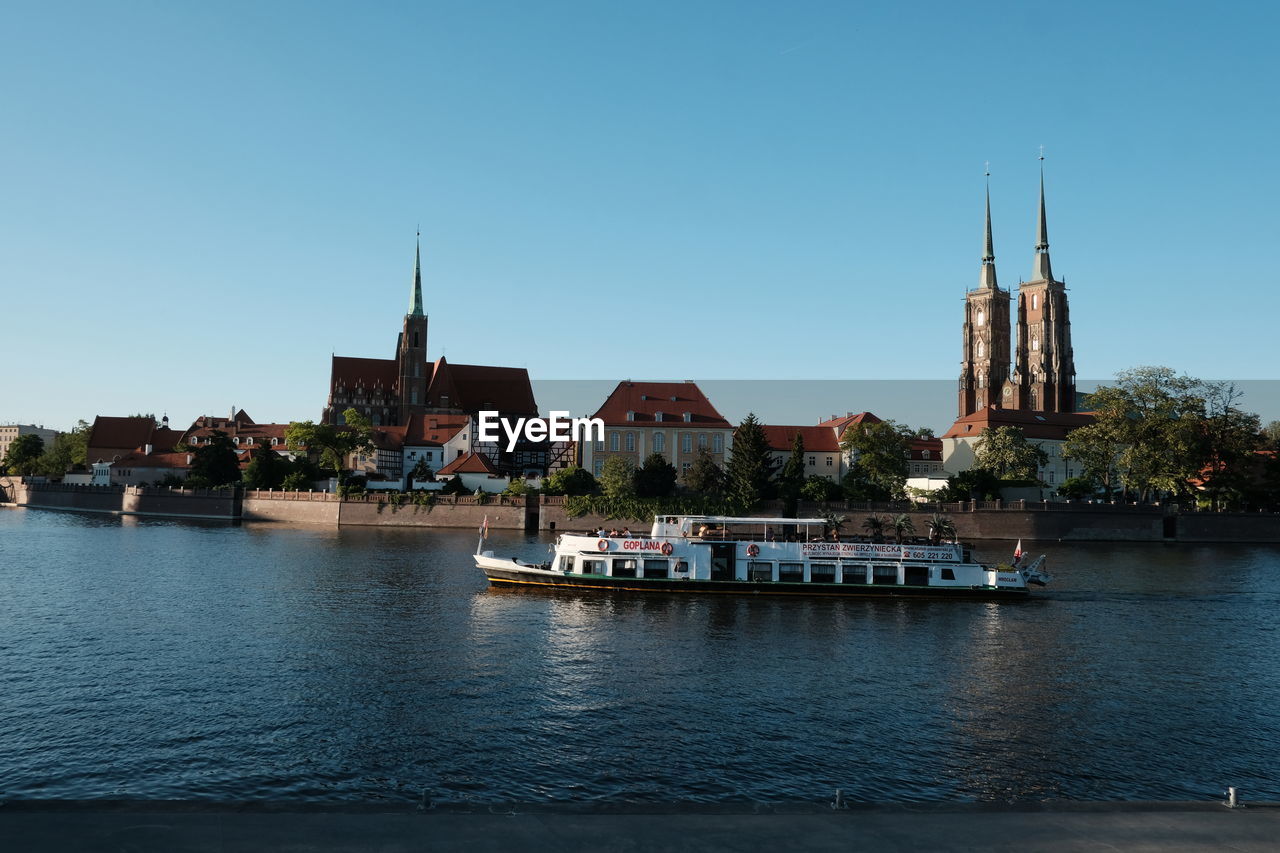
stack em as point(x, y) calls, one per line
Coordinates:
point(167, 827)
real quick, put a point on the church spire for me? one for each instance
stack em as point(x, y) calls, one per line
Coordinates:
point(1043, 271)
point(415, 307)
point(987, 279)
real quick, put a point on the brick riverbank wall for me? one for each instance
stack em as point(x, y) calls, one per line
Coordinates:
point(1026, 520)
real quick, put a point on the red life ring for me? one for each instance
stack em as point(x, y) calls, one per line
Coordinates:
point(602, 545)
point(667, 549)
point(753, 550)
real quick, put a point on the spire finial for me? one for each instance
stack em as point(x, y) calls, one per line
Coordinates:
point(987, 278)
point(1042, 271)
point(415, 305)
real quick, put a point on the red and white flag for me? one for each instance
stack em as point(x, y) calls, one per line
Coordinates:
point(1017, 553)
point(484, 528)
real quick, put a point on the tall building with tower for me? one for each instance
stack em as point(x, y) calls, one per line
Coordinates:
point(408, 389)
point(1043, 376)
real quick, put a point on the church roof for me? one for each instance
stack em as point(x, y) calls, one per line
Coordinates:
point(476, 387)
point(469, 463)
point(673, 399)
point(1045, 425)
point(155, 459)
point(351, 372)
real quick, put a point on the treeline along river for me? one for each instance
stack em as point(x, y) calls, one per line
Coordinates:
point(152, 659)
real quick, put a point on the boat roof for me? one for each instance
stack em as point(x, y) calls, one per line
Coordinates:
point(729, 519)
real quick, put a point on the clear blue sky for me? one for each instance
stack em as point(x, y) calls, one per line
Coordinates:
point(202, 202)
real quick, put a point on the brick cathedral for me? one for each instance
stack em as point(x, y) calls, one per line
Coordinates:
point(1043, 376)
point(410, 396)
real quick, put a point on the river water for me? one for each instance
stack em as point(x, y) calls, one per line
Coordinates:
point(176, 660)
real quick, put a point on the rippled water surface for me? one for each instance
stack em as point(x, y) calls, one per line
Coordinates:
point(150, 659)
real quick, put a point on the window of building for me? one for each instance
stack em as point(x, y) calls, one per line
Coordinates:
point(830, 461)
point(599, 466)
point(982, 316)
point(1035, 301)
point(688, 417)
point(982, 350)
point(655, 568)
point(657, 416)
point(236, 441)
point(702, 441)
point(413, 397)
point(686, 442)
point(813, 460)
point(631, 416)
point(1035, 344)
point(850, 573)
point(659, 443)
point(684, 467)
point(924, 454)
point(631, 442)
point(613, 441)
point(717, 443)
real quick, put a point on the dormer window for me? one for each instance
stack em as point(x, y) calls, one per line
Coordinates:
point(274, 442)
point(249, 441)
point(924, 454)
point(688, 417)
point(236, 441)
point(657, 416)
point(631, 416)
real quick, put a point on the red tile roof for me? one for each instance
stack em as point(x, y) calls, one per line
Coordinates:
point(840, 424)
point(673, 399)
point(165, 459)
point(469, 463)
point(1045, 425)
point(919, 446)
point(364, 372)
point(477, 387)
point(817, 439)
point(421, 431)
point(120, 432)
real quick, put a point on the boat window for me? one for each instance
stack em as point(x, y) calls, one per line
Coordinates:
point(792, 572)
point(624, 567)
point(593, 567)
point(884, 574)
point(682, 567)
point(948, 574)
point(854, 573)
point(822, 572)
point(760, 571)
point(655, 568)
point(566, 562)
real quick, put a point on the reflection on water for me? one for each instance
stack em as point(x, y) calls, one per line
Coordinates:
point(164, 659)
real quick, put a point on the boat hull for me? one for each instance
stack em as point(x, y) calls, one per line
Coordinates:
point(507, 573)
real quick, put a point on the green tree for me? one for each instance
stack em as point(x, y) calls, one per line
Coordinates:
point(214, 463)
point(570, 481)
point(1271, 435)
point(974, 484)
point(704, 476)
point(1098, 447)
point(656, 478)
point(331, 444)
point(1005, 452)
point(750, 467)
point(266, 469)
point(421, 471)
point(23, 457)
point(819, 490)
point(941, 527)
point(1077, 487)
point(874, 525)
point(617, 478)
point(296, 481)
point(902, 526)
point(791, 478)
point(69, 451)
point(455, 486)
point(880, 459)
point(1231, 439)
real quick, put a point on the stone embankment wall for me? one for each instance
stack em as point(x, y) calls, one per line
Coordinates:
point(1031, 521)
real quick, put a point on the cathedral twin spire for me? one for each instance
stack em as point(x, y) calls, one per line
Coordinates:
point(1042, 270)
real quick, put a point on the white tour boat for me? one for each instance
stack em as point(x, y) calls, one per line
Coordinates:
point(786, 556)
